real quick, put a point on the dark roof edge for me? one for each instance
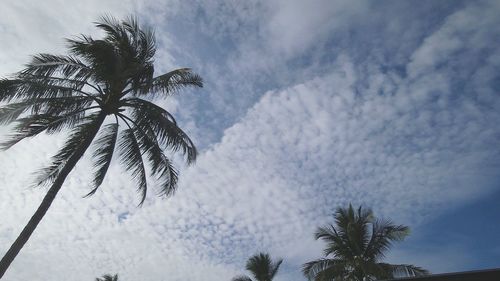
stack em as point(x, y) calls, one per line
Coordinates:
point(448, 274)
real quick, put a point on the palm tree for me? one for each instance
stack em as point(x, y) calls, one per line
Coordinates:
point(108, 277)
point(101, 78)
point(355, 247)
point(261, 267)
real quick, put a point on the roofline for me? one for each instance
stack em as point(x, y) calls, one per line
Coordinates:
point(448, 274)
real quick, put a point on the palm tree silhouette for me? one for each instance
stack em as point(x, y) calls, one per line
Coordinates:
point(261, 267)
point(108, 277)
point(355, 246)
point(110, 77)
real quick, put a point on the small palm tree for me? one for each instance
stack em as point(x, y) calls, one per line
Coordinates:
point(109, 77)
point(108, 277)
point(355, 247)
point(261, 267)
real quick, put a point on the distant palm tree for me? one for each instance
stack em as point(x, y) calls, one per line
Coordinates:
point(109, 77)
point(108, 277)
point(261, 267)
point(355, 247)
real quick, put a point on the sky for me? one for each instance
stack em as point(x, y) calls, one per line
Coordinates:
point(307, 106)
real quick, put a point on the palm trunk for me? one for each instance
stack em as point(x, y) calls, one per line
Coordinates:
point(47, 200)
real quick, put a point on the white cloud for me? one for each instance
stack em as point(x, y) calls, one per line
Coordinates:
point(297, 25)
point(469, 31)
point(408, 146)
point(29, 28)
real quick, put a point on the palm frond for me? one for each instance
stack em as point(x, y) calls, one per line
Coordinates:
point(8, 89)
point(262, 267)
point(146, 44)
point(45, 106)
point(337, 245)
point(174, 80)
point(171, 82)
point(274, 268)
point(10, 112)
point(115, 31)
point(324, 269)
point(48, 65)
point(242, 278)
point(103, 154)
point(28, 127)
point(131, 157)
point(99, 55)
point(163, 124)
point(28, 88)
point(161, 166)
point(403, 270)
point(351, 230)
point(396, 232)
point(48, 174)
point(62, 106)
point(108, 277)
point(382, 236)
point(35, 124)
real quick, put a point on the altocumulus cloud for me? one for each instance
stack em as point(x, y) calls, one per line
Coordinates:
point(411, 136)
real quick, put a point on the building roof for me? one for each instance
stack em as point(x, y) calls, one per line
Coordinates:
point(479, 275)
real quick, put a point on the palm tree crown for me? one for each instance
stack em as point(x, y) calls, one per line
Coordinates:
point(107, 77)
point(100, 78)
point(355, 247)
point(261, 267)
point(108, 277)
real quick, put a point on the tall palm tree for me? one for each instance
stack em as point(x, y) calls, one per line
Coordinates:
point(104, 89)
point(108, 277)
point(261, 267)
point(355, 247)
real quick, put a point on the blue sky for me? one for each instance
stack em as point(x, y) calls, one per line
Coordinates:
point(307, 106)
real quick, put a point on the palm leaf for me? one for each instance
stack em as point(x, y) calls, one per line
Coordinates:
point(108, 277)
point(336, 244)
point(382, 235)
point(49, 106)
point(164, 125)
point(36, 124)
point(169, 83)
point(274, 268)
point(161, 166)
point(11, 112)
point(403, 270)
point(47, 65)
point(241, 278)
point(324, 269)
point(103, 154)
point(49, 173)
point(130, 156)
point(100, 55)
point(174, 80)
point(26, 89)
point(262, 267)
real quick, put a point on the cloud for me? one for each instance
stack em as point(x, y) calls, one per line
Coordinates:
point(410, 137)
point(296, 25)
point(464, 39)
point(29, 28)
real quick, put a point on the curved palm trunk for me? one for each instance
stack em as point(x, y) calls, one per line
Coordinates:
point(47, 200)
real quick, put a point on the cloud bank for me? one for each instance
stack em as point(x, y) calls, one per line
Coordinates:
point(292, 124)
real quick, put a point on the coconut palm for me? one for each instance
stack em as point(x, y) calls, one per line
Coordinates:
point(108, 277)
point(355, 247)
point(103, 88)
point(261, 267)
